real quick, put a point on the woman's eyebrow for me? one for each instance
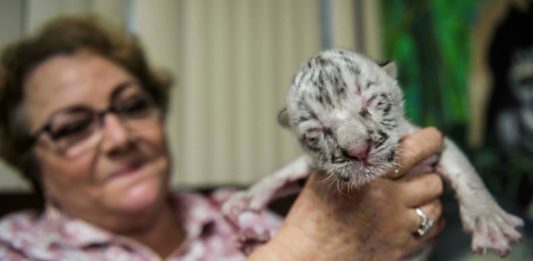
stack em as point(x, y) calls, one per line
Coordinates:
point(120, 88)
point(76, 108)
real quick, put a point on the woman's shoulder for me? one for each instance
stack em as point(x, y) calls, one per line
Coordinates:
point(19, 226)
point(14, 223)
point(18, 230)
point(25, 235)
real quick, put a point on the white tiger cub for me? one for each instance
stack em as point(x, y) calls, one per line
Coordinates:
point(347, 113)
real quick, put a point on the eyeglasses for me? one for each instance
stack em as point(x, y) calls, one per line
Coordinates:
point(75, 131)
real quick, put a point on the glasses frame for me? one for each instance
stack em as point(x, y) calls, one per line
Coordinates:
point(98, 114)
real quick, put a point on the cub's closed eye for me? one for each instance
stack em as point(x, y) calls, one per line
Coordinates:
point(372, 98)
point(317, 130)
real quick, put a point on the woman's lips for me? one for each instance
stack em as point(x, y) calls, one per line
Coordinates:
point(127, 169)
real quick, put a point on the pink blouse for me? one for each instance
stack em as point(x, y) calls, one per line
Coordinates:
point(55, 236)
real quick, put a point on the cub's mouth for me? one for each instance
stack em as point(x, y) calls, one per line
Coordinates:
point(357, 173)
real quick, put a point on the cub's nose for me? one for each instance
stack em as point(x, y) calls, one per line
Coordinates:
point(359, 153)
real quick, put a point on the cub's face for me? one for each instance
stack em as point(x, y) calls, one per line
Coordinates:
point(345, 111)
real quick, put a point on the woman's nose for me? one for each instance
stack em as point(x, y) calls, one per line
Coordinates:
point(115, 132)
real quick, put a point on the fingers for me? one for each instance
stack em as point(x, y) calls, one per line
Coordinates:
point(433, 211)
point(435, 231)
point(416, 242)
point(419, 190)
point(425, 166)
point(416, 147)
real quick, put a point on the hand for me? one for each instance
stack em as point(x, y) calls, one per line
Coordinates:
point(375, 222)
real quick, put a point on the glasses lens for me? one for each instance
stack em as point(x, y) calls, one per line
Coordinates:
point(136, 107)
point(71, 131)
point(78, 130)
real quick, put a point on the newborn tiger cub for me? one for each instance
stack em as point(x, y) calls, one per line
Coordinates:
point(347, 113)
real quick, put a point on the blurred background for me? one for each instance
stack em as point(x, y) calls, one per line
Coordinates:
point(466, 67)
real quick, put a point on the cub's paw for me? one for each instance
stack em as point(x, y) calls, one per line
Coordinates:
point(495, 231)
point(236, 205)
point(249, 239)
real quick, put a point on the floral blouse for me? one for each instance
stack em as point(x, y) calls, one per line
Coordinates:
point(55, 236)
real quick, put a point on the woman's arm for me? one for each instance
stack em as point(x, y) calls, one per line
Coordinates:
point(372, 223)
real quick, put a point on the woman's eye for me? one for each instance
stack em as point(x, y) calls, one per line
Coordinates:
point(137, 107)
point(71, 129)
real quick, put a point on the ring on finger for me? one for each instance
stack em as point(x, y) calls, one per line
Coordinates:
point(425, 223)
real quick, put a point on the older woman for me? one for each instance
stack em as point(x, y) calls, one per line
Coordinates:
point(82, 121)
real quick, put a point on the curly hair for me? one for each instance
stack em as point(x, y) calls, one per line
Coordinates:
point(65, 35)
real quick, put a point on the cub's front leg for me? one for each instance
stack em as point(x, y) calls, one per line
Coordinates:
point(244, 208)
point(282, 182)
point(492, 228)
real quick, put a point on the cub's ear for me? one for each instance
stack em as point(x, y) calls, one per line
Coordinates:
point(391, 68)
point(283, 118)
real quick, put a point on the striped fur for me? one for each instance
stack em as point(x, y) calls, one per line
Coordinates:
point(339, 101)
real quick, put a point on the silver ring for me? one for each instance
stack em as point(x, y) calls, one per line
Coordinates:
point(425, 224)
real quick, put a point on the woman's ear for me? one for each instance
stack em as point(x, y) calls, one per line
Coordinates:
point(283, 118)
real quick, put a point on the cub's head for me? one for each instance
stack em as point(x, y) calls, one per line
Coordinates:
point(346, 110)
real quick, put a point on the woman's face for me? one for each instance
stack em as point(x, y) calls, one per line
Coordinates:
point(117, 166)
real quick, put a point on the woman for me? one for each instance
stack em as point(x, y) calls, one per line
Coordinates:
point(82, 120)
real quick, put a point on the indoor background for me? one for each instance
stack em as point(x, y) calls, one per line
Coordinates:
point(232, 61)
